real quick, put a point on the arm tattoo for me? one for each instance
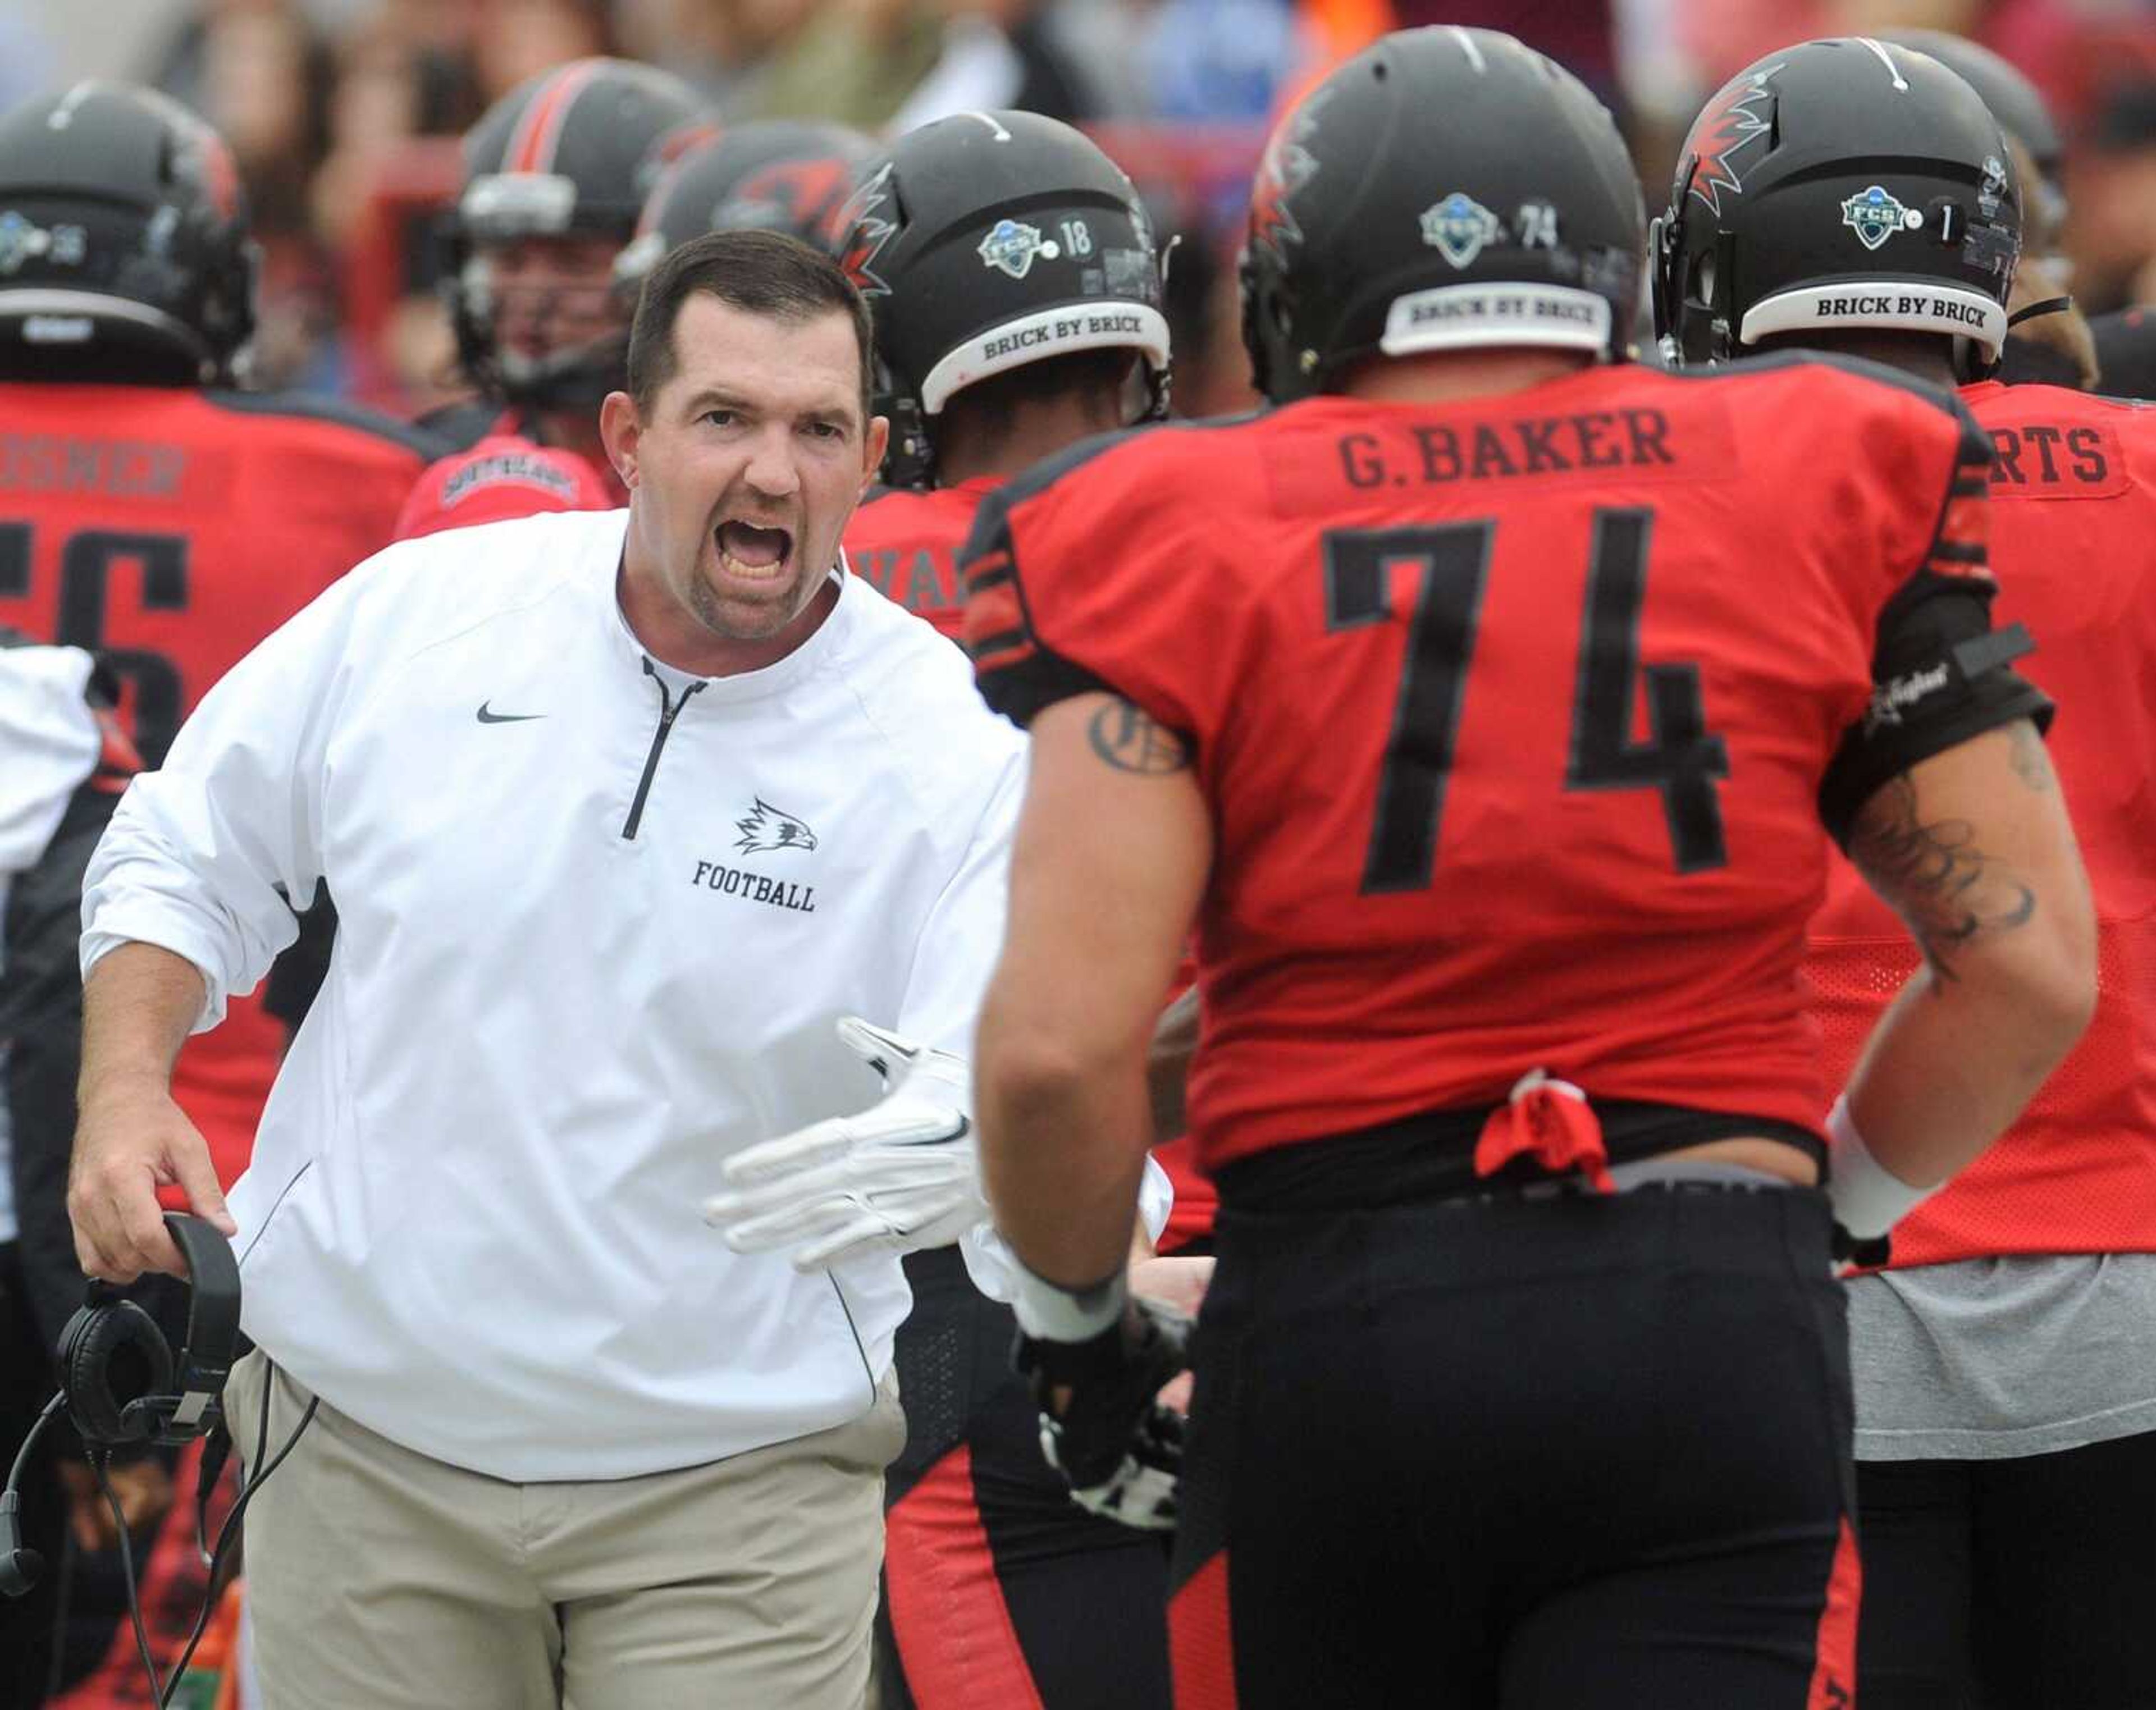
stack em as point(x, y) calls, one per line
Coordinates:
point(2032, 764)
point(1948, 890)
point(1130, 739)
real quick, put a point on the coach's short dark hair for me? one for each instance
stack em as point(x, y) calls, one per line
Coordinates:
point(758, 272)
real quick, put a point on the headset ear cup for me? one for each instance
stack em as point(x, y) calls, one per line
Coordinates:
point(95, 1337)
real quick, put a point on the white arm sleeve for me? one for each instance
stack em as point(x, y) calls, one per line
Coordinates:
point(202, 856)
point(48, 744)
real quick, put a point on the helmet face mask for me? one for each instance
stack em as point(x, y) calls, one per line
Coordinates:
point(124, 240)
point(986, 243)
point(550, 305)
point(555, 175)
point(1529, 235)
point(1841, 185)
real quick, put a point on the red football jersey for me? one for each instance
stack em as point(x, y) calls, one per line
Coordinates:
point(1514, 715)
point(2073, 484)
point(170, 530)
point(904, 544)
point(501, 477)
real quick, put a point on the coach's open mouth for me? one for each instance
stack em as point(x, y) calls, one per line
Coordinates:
point(754, 554)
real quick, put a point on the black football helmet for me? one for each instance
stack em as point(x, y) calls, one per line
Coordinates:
point(782, 175)
point(2021, 111)
point(1445, 188)
point(1839, 184)
point(986, 241)
point(123, 238)
point(570, 153)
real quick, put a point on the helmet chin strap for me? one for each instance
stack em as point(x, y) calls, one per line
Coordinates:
point(2046, 305)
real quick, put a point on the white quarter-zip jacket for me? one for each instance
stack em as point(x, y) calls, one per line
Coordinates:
point(48, 744)
point(595, 929)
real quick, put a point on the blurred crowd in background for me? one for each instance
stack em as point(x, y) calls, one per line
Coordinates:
point(344, 114)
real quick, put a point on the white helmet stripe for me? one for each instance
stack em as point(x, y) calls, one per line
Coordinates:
point(1103, 325)
point(1459, 316)
point(1896, 304)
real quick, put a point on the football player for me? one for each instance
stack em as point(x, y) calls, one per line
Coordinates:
point(149, 511)
point(1016, 292)
point(2006, 1362)
point(556, 173)
point(553, 350)
point(1016, 289)
point(63, 764)
point(1490, 705)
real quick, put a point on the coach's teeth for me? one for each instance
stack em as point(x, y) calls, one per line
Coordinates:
point(751, 548)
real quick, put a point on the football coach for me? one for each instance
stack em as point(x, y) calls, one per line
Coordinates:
point(624, 813)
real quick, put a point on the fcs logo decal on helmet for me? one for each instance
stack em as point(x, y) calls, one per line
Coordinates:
point(1010, 246)
point(1458, 226)
point(22, 240)
point(1874, 216)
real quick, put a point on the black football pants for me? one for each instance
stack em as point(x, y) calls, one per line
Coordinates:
point(2022, 1585)
point(1582, 1453)
point(1000, 1592)
point(27, 1624)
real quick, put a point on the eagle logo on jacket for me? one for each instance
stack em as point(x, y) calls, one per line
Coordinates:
point(767, 827)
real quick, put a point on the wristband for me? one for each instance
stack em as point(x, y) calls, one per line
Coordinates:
point(1048, 1311)
point(1868, 1197)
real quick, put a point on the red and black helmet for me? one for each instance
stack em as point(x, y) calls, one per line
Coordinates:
point(987, 241)
point(1841, 184)
point(572, 152)
point(780, 175)
point(1445, 188)
point(124, 239)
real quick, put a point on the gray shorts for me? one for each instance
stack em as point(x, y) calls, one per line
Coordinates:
point(1992, 1359)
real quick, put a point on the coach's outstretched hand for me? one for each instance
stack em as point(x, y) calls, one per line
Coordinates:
point(899, 1176)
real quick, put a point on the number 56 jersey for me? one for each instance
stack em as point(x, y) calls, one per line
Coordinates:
point(1519, 716)
point(168, 530)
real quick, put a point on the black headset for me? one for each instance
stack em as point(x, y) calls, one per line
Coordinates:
point(118, 1373)
point(120, 1383)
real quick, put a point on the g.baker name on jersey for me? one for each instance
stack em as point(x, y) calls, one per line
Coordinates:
point(1602, 439)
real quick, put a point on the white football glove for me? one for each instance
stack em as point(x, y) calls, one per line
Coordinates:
point(899, 1176)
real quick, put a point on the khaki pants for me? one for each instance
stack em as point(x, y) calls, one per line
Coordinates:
point(381, 1579)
